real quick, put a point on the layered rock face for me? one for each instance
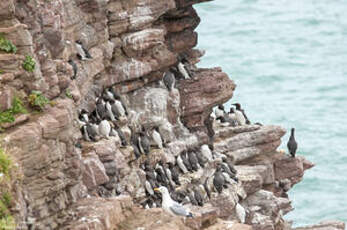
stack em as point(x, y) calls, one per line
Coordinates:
point(69, 183)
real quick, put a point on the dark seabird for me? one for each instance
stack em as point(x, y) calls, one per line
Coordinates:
point(230, 165)
point(83, 116)
point(181, 165)
point(82, 53)
point(100, 109)
point(238, 108)
point(208, 122)
point(186, 161)
point(198, 197)
point(119, 98)
point(74, 68)
point(136, 151)
point(192, 199)
point(176, 73)
point(161, 176)
point(292, 145)
point(174, 173)
point(143, 143)
point(169, 80)
point(89, 134)
point(225, 168)
point(178, 196)
point(218, 180)
point(120, 134)
point(134, 144)
point(148, 187)
point(193, 160)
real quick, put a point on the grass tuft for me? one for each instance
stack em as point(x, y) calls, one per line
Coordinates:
point(6, 45)
point(29, 64)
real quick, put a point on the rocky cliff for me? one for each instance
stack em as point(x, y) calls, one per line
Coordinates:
point(70, 183)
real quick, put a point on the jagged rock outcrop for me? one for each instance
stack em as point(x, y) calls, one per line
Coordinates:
point(69, 183)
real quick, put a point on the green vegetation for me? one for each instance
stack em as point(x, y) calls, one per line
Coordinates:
point(5, 163)
point(6, 200)
point(7, 116)
point(6, 45)
point(37, 100)
point(29, 64)
point(68, 93)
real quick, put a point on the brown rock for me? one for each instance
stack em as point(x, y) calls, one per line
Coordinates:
point(198, 97)
point(94, 172)
point(6, 98)
point(289, 167)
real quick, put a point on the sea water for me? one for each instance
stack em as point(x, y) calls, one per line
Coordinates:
point(289, 61)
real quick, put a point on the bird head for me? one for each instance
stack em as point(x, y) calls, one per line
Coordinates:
point(221, 107)
point(238, 106)
point(162, 190)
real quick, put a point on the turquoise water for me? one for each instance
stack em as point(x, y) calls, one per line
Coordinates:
point(289, 61)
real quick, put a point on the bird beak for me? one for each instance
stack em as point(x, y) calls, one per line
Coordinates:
point(156, 189)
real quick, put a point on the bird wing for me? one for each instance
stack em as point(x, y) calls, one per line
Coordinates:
point(178, 209)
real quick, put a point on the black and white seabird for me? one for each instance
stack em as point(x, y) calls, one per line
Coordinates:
point(109, 111)
point(100, 109)
point(121, 135)
point(149, 187)
point(186, 161)
point(292, 145)
point(134, 140)
point(74, 68)
point(218, 180)
point(119, 98)
point(178, 195)
point(198, 196)
point(117, 108)
point(157, 138)
point(89, 132)
point(83, 116)
point(191, 195)
point(219, 111)
point(161, 176)
point(169, 80)
point(193, 160)
point(181, 165)
point(183, 70)
point(82, 53)
point(143, 143)
point(105, 128)
point(244, 116)
point(174, 173)
point(232, 117)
